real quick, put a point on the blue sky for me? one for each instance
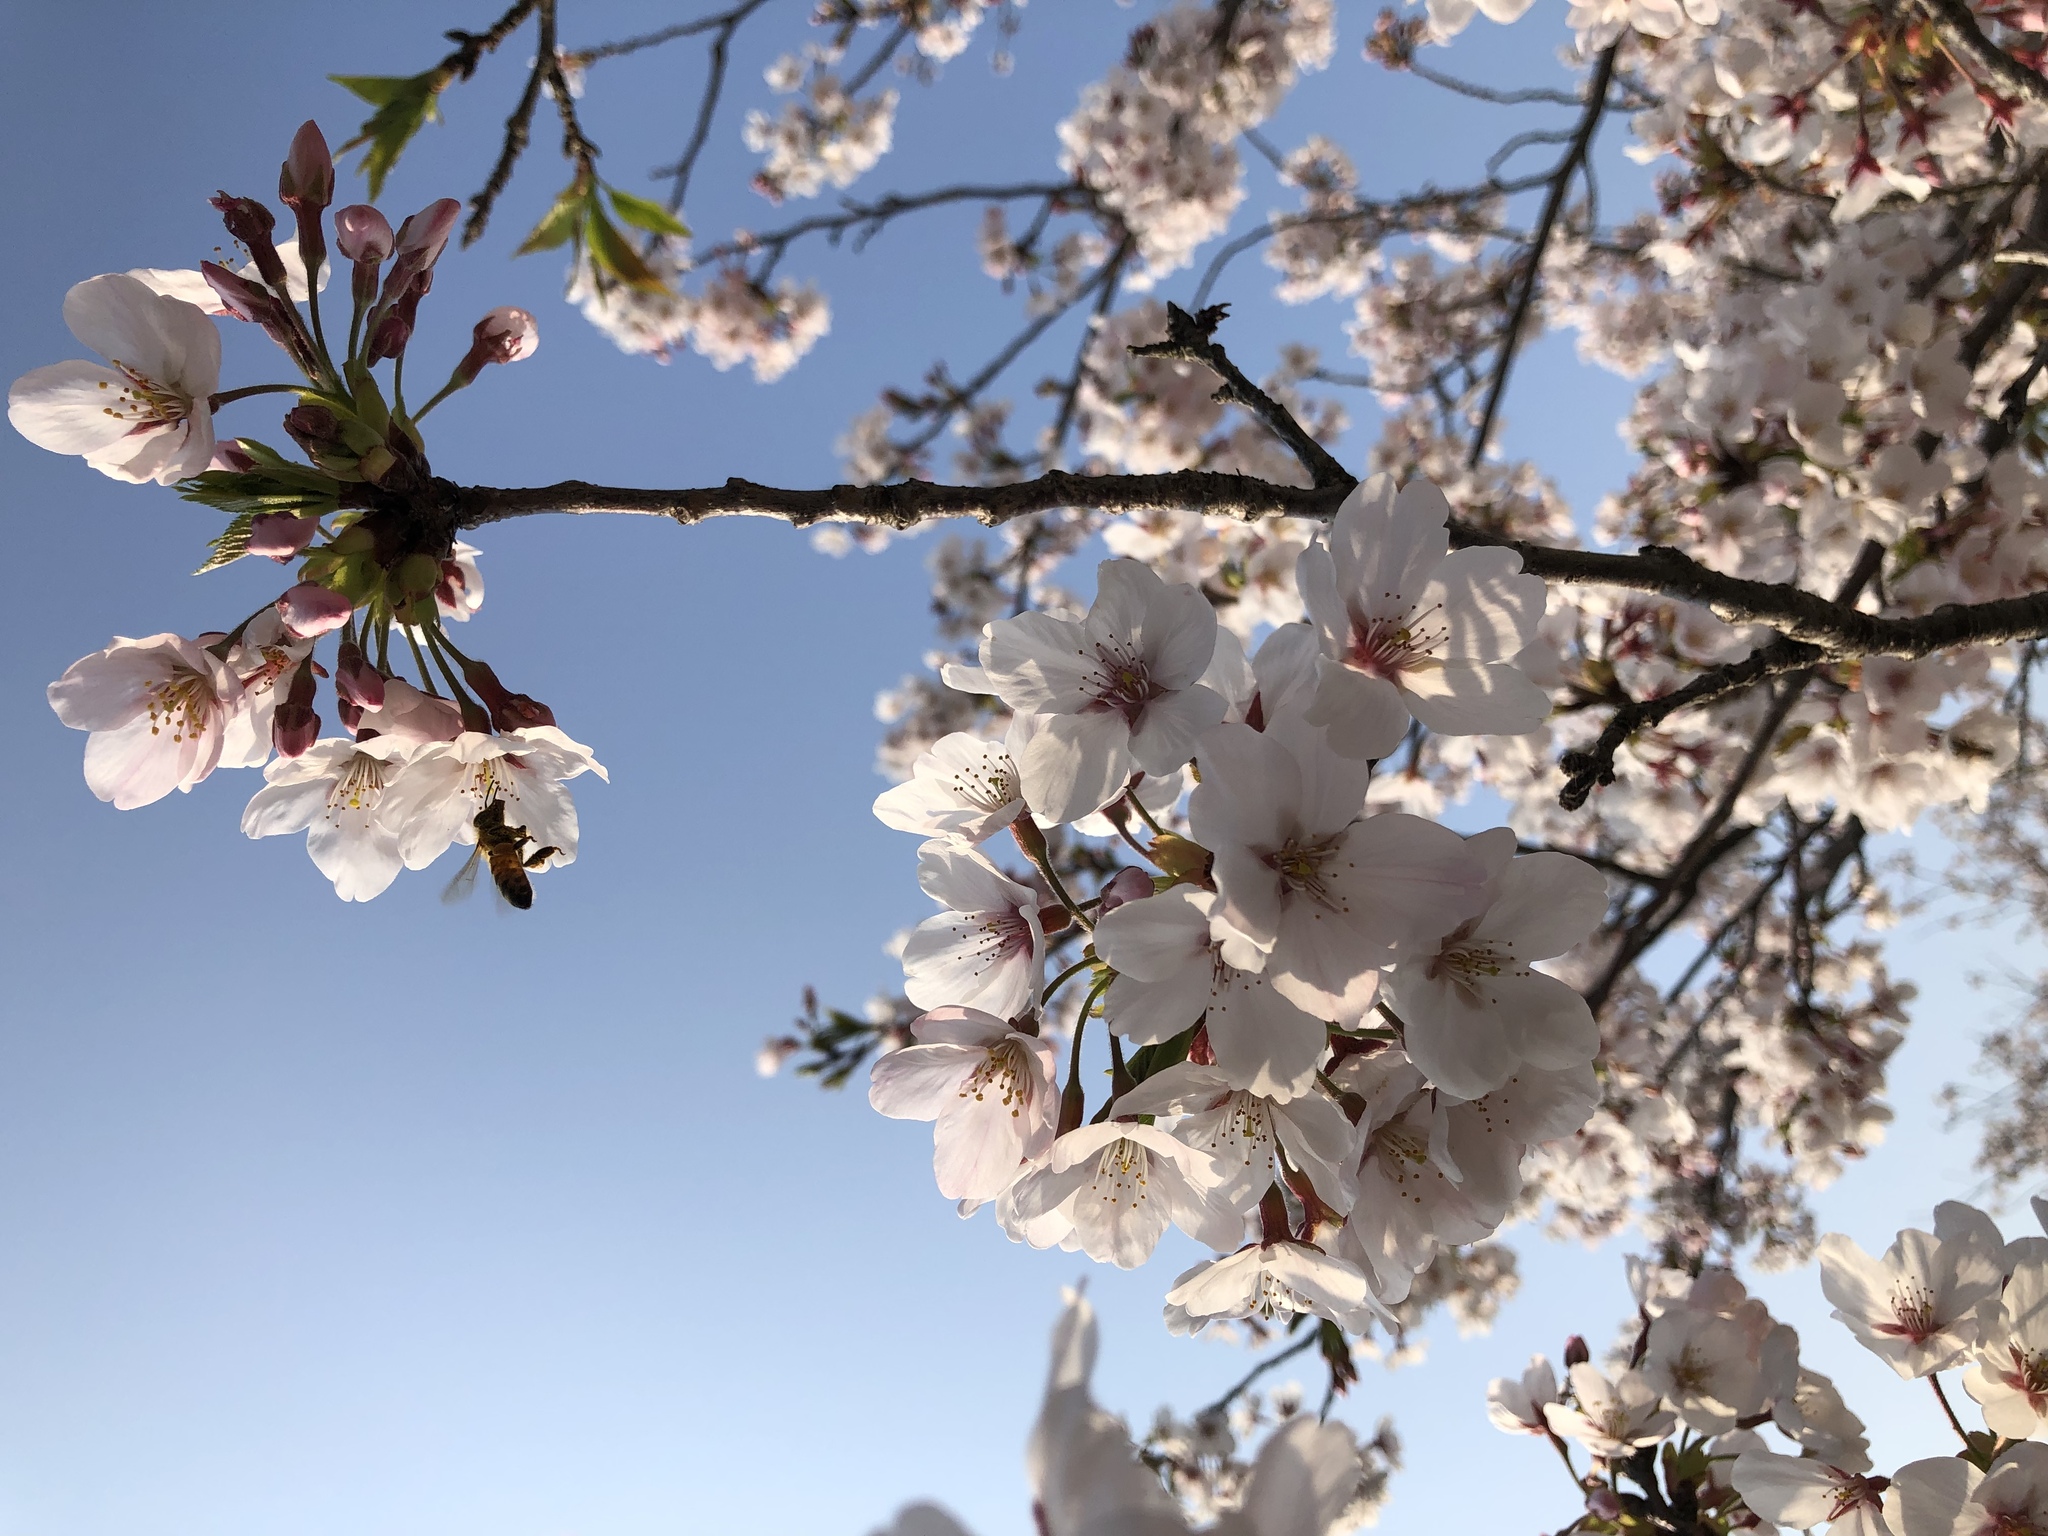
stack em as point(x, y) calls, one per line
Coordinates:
point(318, 1218)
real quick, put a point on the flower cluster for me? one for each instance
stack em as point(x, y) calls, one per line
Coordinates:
point(1674, 1420)
point(369, 527)
point(1330, 1045)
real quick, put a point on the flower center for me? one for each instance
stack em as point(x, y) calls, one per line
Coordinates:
point(1121, 681)
point(1303, 866)
point(1467, 964)
point(1386, 648)
point(1001, 1073)
point(276, 662)
point(1912, 1315)
point(989, 785)
point(1399, 1142)
point(358, 786)
point(146, 404)
point(1122, 1172)
point(183, 703)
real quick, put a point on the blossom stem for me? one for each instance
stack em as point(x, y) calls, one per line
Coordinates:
point(1074, 1098)
point(1061, 980)
point(461, 696)
point(426, 672)
point(1144, 815)
point(223, 397)
point(384, 647)
point(455, 382)
point(1934, 1381)
point(1301, 1346)
point(1032, 841)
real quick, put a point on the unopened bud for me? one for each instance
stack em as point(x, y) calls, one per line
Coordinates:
point(1604, 1503)
point(1575, 1352)
point(310, 609)
point(305, 182)
point(355, 680)
point(251, 223)
point(281, 536)
point(509, 711)
point(376, 464)
point(361, 233)
point(231, 456)
point(293, 725)
point(1179, 857)
point(417, 574)
point(507, 334)
point(1128, 884)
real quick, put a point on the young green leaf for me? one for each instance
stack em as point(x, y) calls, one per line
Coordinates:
point(559, 224)
point(615, 255)
point(230, 544)
point(642, 214)
point(404, 105)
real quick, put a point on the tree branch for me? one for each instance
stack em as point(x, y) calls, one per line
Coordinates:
point(1561, 180)
point(1958, 27)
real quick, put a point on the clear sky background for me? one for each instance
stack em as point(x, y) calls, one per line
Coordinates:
point(319, 1218)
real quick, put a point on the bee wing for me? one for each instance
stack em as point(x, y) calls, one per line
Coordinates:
point(463, 885)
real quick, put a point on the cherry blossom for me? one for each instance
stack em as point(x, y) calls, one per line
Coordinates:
point(1610, 1418)
point(338, 793)
point(1917, 1306)
point(988, 950)
point(1328, 892)
point(1116, 1187)
point(1114, 694)
point(159, 710)
point(1241, 1131)
point(1268, 1280)
point(990, 1089)
point(2008, 1375)
point(1802, 1493)
point(1516, 1404)
point(447, 783)
point(963, 787)
point(1472, 1010)
point(1412, 629)
point(146, 413)
point(1179, 963)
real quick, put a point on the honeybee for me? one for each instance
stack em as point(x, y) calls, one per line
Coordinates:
point(503, 849)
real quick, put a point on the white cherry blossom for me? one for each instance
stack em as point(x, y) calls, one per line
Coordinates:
point(1610, 1418)
point(1241, 1131)
point(1111, 695)
point(1179, 963)
point(1118, 1186)
point(989, 1087)
point(1916, 1307)
point(1804, 1494)
point(2012, 1497)
point(338, 792)
point(987, 950)
point(2008, 1374)
point(447, 783)
point(1268, 1280)
point(1472, 1007)
point(144, 414)
point(1516, 1404)
point(1412, 629)
point(159, 710)
point(963, 787)
point(1328, 892)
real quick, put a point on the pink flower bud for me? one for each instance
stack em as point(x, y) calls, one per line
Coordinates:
point(251, 223)
point(310, 609)
point(1575, 1352)
point(507, 334)
point(421, 237)
point(1604, 1503)
point(281, 535)
point(305, 183)
point(509, 711)
point(410, 715)
point(356, 681)
point(293, 725)
point(361, 233)
point(1128, 884)
point(230, 456)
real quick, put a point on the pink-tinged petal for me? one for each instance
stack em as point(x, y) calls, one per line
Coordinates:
point(1408, 878)
point(362, 861)
point(1262, 1042)
point(1179, 639)
point(1786, 1490)
point(1459, 1040)
point(919, 1081)
point(1315, 577)
point(977, 1151)
point(163, 339)
point(1306, 1471)
point(1074, 764)
point(279, 809)
point(1545, 903)
point(1146, 1012)
point(1469, 698)
point(1170, 727)
point(1158, 937)
point(1551, 1026)
point(968, 1027)
point(66, 407)
point(1364, 716)
point(135, 766)
point(1038, 664)
point(1490, 606)
point(1387, 547)
point(1125, 592)
point(310, 609)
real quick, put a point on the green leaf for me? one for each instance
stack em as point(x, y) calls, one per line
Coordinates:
point(616, 256)
point(404, 105)
point(238, 492)
point(230, 544)
point(559, 225)
point(650, 216)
